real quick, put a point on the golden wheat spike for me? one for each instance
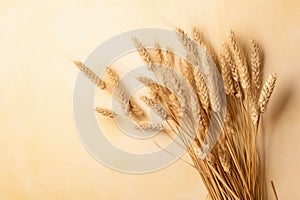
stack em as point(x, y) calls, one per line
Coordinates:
point(240, 63)
point(266, 92)
point(111, 79)
point(199, 38)
point(136, 109)
point(202, 90)
point(149, 126)
point(170, 58)
point(224, 158)
point(142, 51)
point(90, 74)
point(256, 60)
point(234, 73)
point(105, 112)
point(158, 55)
point(227, 76)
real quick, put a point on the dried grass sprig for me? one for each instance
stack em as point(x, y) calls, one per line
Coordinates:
point(202, 90)
point(240, 62)
point(227, 76)
point(135, 109)
point(149, 126)
point(158, 54)
point(157, 108)
point(199, 38)
point(90, 74)
point(266, 92)
point(111, 79)
point(256, 60)
point(105, 112)
point(170, 58)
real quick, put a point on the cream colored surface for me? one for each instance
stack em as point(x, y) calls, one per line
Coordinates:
point(41, 156)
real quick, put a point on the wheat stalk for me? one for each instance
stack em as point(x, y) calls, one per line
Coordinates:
point(233, 169)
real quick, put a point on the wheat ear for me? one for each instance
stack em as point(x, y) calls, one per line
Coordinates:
point(256, 60)
point(111, 79)
point(149, 126)
point(240, 63)
point(158, 55)
point(224, 158)
point(186, 69)
point(136, 109)
point(202, 90)
point(170, 58)
point(144, 54)
point(186, 42)
point(227, 76)
point(105, 112)
point(266, 92)
point(157, 108)
point(232, 67)
point(199, 38)
point(90, 74)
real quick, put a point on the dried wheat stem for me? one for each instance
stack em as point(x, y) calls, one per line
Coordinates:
point(90, 74)
point(105, 112)
point(266, 92)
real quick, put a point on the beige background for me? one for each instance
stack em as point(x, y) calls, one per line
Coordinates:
point(41, 156)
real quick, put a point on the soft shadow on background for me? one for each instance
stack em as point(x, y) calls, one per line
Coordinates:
point(40, 153)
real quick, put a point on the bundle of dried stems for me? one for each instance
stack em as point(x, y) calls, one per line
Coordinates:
point(234, 168)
